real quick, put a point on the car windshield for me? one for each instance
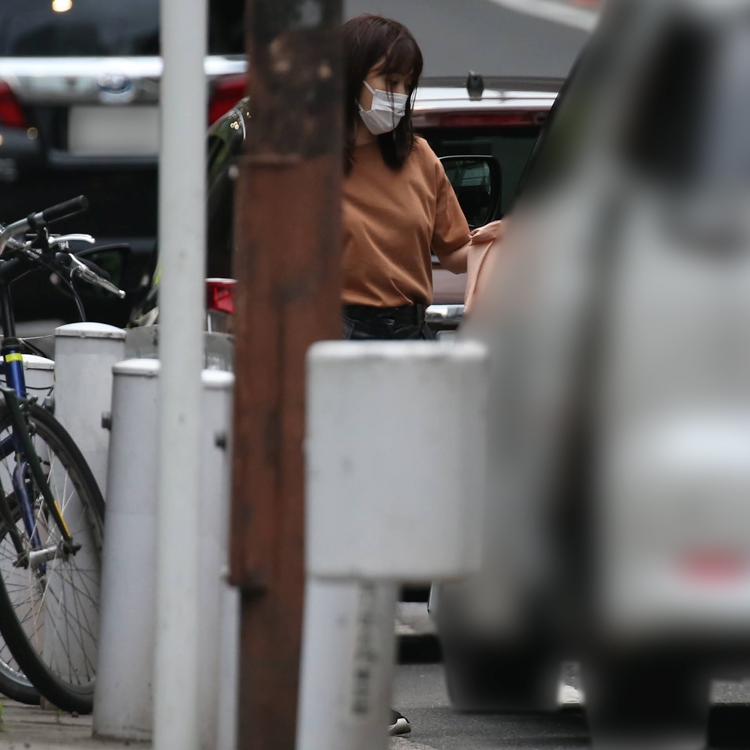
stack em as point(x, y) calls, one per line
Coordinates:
point(104, 28)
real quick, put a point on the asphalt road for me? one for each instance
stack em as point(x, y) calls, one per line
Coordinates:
point(421, 696)
point(459, 35)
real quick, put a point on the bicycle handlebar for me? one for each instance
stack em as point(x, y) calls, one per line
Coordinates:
point(60, 211)
point(41, 219)
point(17, 227)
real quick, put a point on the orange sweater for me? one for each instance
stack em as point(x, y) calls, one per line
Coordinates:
point(391, 223)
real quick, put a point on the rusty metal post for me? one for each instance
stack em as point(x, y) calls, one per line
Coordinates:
point(287, 264)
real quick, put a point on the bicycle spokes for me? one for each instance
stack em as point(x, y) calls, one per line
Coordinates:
point(56, 592)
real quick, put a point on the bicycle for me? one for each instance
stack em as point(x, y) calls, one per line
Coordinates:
point(51, 508)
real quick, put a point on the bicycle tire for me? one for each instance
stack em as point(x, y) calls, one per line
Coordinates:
point(37, 653)
point(13, 682)
point(17, 687)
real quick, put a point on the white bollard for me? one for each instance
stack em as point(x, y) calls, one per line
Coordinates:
point(215, 596)
point(85, 353)
point(84, 356)
point(123, 699)
point(229, 670)
point(396, 455)
point(396, 463)
point(123, 706)
point(347, 667)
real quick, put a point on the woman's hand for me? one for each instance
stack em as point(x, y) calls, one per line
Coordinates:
point(488, 233)
point(458, 260)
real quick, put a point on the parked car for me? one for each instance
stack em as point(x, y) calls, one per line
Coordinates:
point(493, 117)
point(501, 121)
point(79, 92)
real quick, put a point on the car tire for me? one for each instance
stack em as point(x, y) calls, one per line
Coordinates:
point(646, 702)
point(501, 678)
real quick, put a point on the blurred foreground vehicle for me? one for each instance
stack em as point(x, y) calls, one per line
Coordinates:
point(618, 527)
point(79, 96)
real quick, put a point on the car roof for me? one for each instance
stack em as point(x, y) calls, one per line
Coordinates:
point(451, 95)
point(440, 95)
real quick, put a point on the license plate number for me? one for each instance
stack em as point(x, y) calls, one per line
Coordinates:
point(113, 131)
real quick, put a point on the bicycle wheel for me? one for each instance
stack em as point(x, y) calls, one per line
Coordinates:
point(49, 609)
point(13, 682)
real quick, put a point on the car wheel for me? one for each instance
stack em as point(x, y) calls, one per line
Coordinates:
point(501, 678)
point(633, 701)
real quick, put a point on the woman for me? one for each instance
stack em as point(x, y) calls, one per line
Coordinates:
point(398, 205)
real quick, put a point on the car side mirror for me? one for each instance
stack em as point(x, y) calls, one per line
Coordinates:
point(477, 182)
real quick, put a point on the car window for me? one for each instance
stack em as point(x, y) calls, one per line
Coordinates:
point(510, 146)
point(103, 28)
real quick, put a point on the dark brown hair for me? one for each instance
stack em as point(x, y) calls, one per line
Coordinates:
point(369, 39)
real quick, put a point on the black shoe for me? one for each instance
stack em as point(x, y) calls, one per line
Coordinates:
point(399, 724)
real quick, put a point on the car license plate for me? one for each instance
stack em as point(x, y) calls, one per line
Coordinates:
point(113, 131)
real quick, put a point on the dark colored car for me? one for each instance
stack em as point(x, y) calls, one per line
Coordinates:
point(79, 93)
point(225, 139)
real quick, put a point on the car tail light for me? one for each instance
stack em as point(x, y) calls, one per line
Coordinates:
point(493, 119)
point(220, 295)
point(713, 567)
point(11, 113)
point(227, 92)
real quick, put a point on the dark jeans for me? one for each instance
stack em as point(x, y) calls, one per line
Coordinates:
point(362, 323)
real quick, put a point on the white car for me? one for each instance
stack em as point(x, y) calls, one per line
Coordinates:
point(617, 530)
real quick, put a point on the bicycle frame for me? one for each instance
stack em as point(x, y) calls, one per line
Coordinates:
point(19, 442)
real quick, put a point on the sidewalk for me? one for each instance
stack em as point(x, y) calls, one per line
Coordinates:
point(31, 728)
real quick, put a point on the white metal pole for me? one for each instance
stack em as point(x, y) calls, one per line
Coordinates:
point(365, 496)
point(229, 638)
point(84, 356)
point(213, 589)
point(123, 696)
point(182, 256)
point(347, 665)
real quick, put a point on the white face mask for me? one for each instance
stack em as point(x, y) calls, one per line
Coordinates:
point(386, 111)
